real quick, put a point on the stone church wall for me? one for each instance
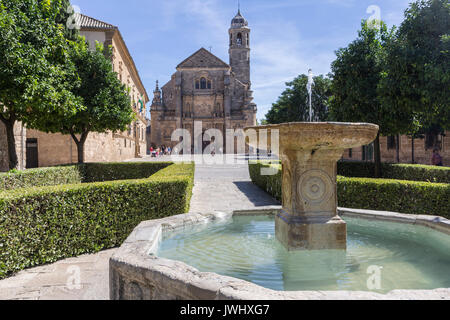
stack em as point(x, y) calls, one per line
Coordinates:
point(57, 149)
point(421, 154)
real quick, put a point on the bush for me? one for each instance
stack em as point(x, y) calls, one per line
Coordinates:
point(94, 172)
point(40, 177)
point(44, 224)
point(412, 172)
point(412, 197)
point(83, 173)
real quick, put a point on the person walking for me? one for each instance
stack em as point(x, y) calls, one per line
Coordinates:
point(436, 160)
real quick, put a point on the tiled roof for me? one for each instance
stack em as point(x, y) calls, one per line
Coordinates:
point(88, 22)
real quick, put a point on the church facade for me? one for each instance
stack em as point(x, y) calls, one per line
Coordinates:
point(206, 89)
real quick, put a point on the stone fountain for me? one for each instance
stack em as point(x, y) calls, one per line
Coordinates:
point(309, 153)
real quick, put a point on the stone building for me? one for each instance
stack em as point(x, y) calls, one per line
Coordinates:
point(53, 149)
point(402, 149)
point(207, 89)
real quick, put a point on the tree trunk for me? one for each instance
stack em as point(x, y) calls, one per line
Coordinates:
point(80, 145)
point(12, 152)
point(377, 154)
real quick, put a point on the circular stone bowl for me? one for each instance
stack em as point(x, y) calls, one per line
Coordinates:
point(317, 135)
point(136, 272)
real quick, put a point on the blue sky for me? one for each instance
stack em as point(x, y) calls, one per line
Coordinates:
point(288, 36)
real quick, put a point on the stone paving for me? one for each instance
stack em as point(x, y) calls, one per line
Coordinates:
point(217, 188)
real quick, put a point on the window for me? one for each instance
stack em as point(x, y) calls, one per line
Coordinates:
point(391, 142)
point(248, 40)
point(203, 83)
point(367, 152)
point(350, 153)
point(231, 39)
point(209, 84)
point(197, 84)
point(432, 141)
point(239, 39)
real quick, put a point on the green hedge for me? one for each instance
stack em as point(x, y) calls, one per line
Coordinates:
point(40, 177)
point(44, 224)
point(95, 172)
point(84, 173)
point(411, 172)
point(412, 197)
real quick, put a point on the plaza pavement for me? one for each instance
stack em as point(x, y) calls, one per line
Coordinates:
point(224, 187)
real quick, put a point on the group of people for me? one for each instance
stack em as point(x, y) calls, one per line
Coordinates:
point(161, 151)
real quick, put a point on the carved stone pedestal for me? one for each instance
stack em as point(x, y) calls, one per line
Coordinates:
point(309, 153)
point(309, 217)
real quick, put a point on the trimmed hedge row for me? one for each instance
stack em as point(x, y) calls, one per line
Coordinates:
point(40, 177)
point(412, 197)
point(95, 172)
point(83, 173)
point(411, 172)
point(45, 224)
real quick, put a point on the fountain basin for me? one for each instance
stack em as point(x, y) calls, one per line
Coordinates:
point(309, 153)
point(137, 272)
point(318, 135)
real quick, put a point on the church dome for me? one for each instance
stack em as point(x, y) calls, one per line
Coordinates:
point(239, 21)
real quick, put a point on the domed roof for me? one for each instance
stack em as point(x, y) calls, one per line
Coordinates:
point(239, 21)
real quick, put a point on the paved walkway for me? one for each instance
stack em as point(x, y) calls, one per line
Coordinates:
point(217, 188)
point(226, 188)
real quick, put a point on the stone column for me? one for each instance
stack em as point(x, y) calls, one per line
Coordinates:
point(309, 220)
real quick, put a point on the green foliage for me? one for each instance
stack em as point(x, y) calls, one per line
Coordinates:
point(412, 172)
point(418, 62)
point(84, 173)
point(106, 105)
point(395, 195)
point(293, 104)
point(43, 225)
point(412, 197)
point(40, 177)
point(357, 74)
point(357, 71)
point(36, 74)
point(94, 172)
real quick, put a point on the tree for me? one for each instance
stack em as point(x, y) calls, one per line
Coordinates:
point(293, 104)
point(357, 73)
point(417, 66)
point(35, 73)
point(105, 100)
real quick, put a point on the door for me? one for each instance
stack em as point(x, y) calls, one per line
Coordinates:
point(32, 154)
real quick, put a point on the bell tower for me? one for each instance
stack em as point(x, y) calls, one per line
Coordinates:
point(240, 48)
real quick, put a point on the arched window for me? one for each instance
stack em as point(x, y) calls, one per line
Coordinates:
point(203, 83)
point(209, 84)
point(231, 39)
point(248, 40)
point(239, 39)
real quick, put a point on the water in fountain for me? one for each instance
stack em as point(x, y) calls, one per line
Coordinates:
point(411, 257)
